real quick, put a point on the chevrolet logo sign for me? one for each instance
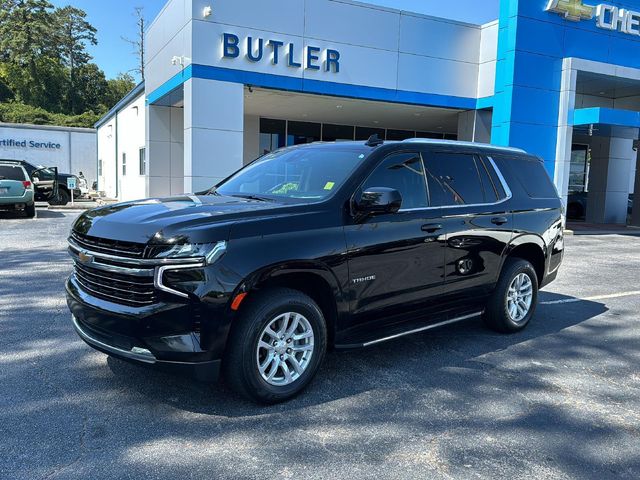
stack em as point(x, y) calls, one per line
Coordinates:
point(573, 10)
point(84, 257)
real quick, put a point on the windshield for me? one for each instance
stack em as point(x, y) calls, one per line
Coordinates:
point(309, 173)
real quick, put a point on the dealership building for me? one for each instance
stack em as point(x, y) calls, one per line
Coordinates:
point(71, 150)
point(228, 80)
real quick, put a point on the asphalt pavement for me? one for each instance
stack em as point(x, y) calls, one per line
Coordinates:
point(559, 400)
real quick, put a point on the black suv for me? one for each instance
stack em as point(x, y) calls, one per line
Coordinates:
point(326, 245)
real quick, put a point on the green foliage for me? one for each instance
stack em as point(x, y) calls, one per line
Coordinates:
point(46, 73)
point(13, 112)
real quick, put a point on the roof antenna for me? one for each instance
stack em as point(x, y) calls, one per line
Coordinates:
point(374, 141)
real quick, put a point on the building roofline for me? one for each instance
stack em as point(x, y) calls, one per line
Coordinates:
point(58, 128)
point(128, 98)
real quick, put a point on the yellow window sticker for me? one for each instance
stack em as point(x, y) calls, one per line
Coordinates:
point(329, 185)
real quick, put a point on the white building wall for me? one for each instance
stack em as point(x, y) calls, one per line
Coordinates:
point(77, 152)
point(123, 132)
point(165, 150)
point(378, 47)
point(487, 60)
point(131, 138)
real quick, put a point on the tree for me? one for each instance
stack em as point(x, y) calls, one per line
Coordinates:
point(73, 33)
point(138, 43)
point(117, 88)
point(26, 46)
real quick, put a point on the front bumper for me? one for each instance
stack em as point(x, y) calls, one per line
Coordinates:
point(157, 336)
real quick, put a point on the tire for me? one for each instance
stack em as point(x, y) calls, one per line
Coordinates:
point(30, 210)
point(62, 199)
point(243, 355)
point(497, 315)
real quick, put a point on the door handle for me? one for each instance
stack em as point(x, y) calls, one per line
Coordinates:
point(499, 220)
point(431, 227)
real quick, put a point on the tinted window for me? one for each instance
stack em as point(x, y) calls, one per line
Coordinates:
point(12, 173)
point(495, 179)
point(490, 193)
point(405, 173)
point(303, 132)
point(331, 133)
point(533, 177)
point(400, 134)
point(453, 180)
point(363, 133)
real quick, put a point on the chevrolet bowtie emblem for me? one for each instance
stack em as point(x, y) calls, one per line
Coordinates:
point(573, 10)
point(84, 257)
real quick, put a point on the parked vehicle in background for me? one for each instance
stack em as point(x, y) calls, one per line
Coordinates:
point(577, 205)
point(16, 189)
point(333, 245)
point(49, 184)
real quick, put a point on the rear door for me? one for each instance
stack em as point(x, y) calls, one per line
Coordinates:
point(12, 178)
point(477, 220)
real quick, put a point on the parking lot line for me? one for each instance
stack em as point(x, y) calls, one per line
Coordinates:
point(597, 297)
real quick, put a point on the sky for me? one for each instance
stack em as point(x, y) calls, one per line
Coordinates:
point(115, 19)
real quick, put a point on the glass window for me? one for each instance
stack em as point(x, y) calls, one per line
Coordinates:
point(272, 135)
point(451, 136)
point(124, 164)
point(453, 180)
point(532, 175)
point(303, 132)
point(143, 161)
point(490, 193)
point(435, 135)
point(99, 168)
point(497, 184)
point(8, 172)
point(405, 173)
point(579, 168)
point(363, 133)
point(305, 173)
point(331, 133)
point(400, 134)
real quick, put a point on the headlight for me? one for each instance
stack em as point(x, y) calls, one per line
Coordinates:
point(210, 251)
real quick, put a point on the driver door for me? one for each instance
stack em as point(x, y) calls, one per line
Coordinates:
point(396, 260)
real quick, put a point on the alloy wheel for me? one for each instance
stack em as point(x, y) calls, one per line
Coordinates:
point(285, 348)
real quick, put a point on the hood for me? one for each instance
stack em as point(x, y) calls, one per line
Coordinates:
point(185, 219)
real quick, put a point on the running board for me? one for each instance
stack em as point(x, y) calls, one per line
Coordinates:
point(410, 332)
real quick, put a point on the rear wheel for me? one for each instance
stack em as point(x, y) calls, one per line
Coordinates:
point(515, 298)
point(30, 210)
point(276, 347)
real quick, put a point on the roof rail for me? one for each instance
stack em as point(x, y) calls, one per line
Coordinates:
point(488, 146)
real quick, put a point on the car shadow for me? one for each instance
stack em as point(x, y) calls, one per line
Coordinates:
point(356, 372)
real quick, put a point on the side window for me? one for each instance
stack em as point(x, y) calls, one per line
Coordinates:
point(454, 179)
point(405, 173)
point(494, 178)
point(533, 177)
point(490, 191)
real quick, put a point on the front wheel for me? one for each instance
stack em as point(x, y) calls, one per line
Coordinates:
point(515, 298)
point(276, 347)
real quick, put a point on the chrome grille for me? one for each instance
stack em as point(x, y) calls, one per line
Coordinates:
point(109, 247)
point(132, 290)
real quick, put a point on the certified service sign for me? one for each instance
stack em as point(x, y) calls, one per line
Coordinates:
point(608, 17)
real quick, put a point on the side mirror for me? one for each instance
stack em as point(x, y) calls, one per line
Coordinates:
point(376, 200)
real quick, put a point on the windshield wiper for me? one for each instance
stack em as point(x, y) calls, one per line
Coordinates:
point(252, 197)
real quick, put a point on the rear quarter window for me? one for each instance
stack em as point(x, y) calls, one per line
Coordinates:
point(532, 176)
